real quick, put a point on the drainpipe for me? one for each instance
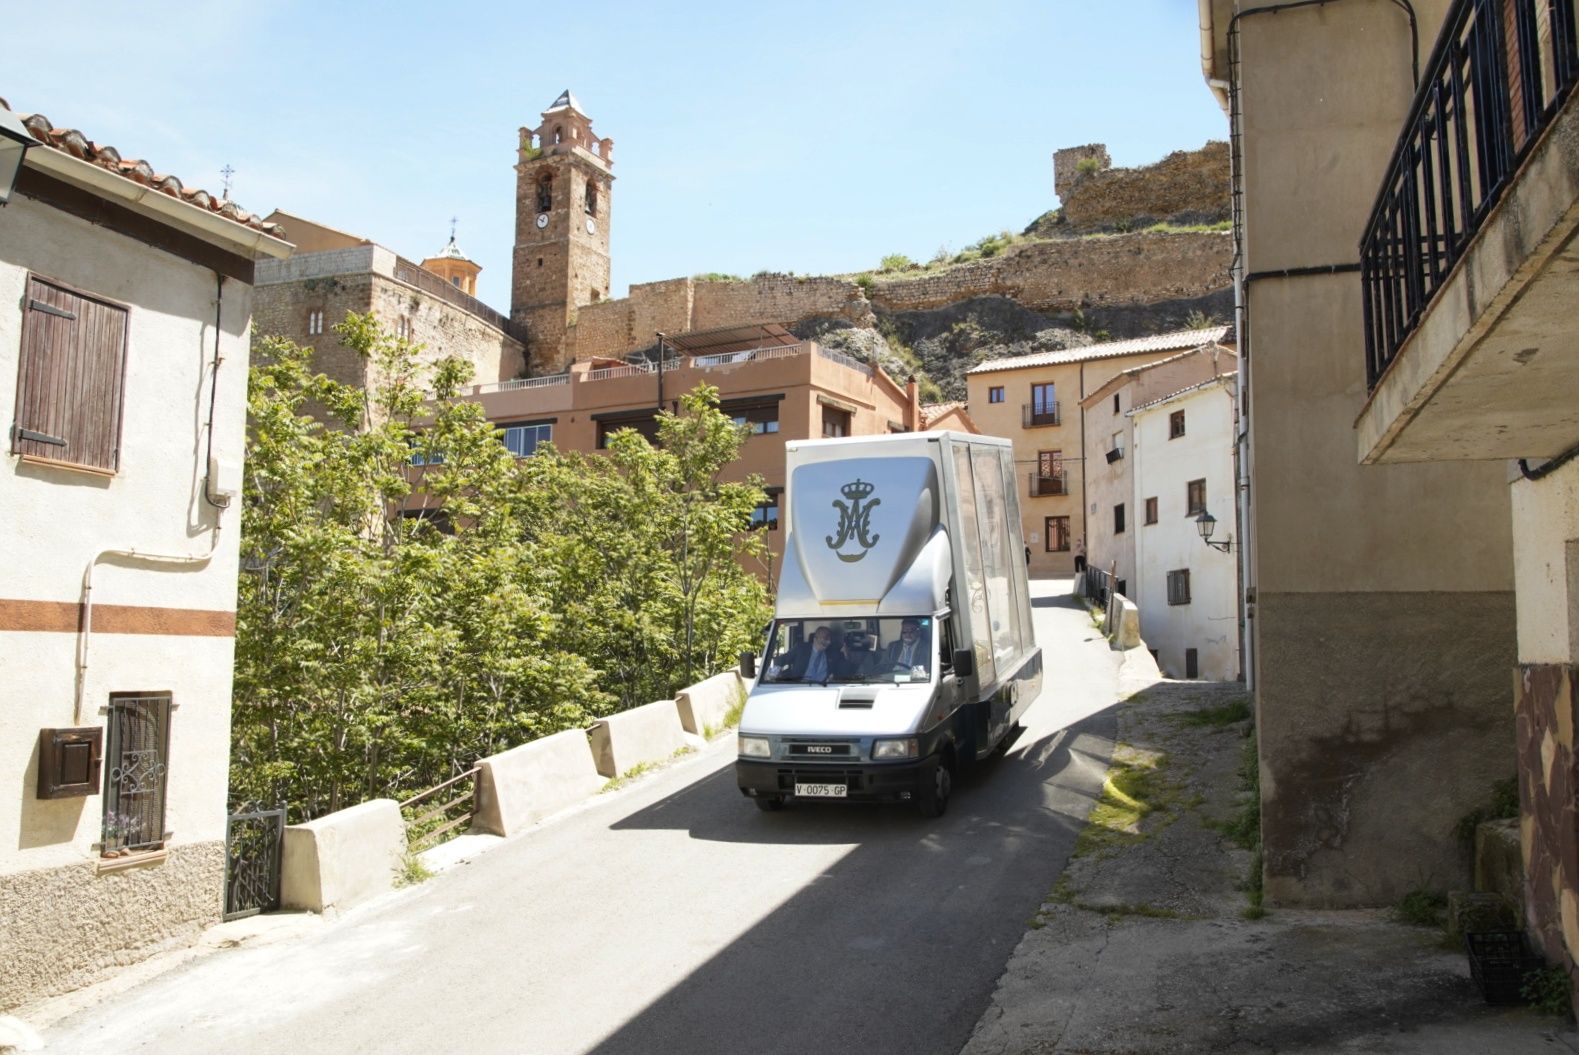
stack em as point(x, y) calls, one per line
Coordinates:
point(219, 500)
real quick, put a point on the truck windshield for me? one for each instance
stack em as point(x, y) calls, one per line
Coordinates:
point(896, 650)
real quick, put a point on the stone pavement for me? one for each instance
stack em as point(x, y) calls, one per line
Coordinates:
point(1143, 947)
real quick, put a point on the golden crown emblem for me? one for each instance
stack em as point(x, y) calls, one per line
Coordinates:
point(857, 490)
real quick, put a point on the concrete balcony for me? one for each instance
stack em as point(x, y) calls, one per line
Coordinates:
point(1471, 265)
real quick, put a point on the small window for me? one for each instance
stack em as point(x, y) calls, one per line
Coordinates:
point(1151, 510)
point(765, 517)
point(69, 381)
point(455, 280)
point(835, 422)
point(1195, 498)
point(523, 440)
point(1176, 424)
point(1115, 402)
point(1192, 663)
point(403, 328)
point(136, 771)
point(761, 420)
point(1179, 586)
point(1118, 519)
point(645, 424)
point(592, 198)
point(314, 322)
point(545, 190)
point(1055, 534)
point(995, 394)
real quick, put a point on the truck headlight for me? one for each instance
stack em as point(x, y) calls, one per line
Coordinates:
point(895, 749)
point(755, 747)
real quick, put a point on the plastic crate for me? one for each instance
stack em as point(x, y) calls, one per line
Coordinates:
point(1499, 961)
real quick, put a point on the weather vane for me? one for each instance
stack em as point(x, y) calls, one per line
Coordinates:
point(227, 172)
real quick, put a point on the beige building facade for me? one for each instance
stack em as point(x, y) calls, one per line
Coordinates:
point(334, 273)
point(1036, 401)
point(124, 342)
point(1380, 595)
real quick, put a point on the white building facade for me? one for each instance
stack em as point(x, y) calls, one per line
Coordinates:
point(1182, 466)
point(125, 307)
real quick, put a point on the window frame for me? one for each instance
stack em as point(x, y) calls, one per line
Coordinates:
point(114, 775)
point(1191, 508)
point(1048, 532)
point(1119, 521)
point(1151, 510)
point(848, 422)
point(1179, 586)
point(995, 394)
point(506, 428)
point(1176, 425)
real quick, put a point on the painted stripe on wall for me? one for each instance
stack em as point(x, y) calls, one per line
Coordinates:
point(65, 617)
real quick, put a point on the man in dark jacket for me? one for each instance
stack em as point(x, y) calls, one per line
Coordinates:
point(815, 660)
point(911, 650)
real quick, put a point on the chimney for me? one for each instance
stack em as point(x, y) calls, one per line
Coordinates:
point(913, 395)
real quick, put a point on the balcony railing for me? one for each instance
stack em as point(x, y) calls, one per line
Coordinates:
point(1042, 486)
point(1496, 78)
point(1037, 415)
point(547, 381)
point(750, 355)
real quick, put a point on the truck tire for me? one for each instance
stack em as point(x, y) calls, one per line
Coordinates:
point(932, 796)
point(769, 803)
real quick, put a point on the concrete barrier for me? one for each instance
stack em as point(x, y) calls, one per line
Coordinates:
point(706, 703)
point(1124, 629)
point(650, 733)
point(519, 787)
point(336, 861)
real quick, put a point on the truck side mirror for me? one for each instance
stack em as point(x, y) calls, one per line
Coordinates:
point(748, 665)
point(964, 663)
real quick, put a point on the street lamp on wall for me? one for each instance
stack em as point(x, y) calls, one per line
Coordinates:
point(14, 144)
point(1206, 524)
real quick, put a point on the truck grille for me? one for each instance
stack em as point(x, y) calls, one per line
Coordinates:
point(816, 750)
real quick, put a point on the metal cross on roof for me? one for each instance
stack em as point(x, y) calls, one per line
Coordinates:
point(227, 172)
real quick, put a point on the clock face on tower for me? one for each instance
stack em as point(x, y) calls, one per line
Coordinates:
point(542, 220)
point(592, 225)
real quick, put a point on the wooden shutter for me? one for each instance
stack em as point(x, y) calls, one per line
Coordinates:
point(70, 378)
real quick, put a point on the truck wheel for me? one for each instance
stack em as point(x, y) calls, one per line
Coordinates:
point(769, 803)
point(932, 799)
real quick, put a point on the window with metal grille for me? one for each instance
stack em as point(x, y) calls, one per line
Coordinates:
point(1179, 586)
point(1176, 424)
point(1056, 534)
point(135, 771)
point(70, 381)
point(1195, 498)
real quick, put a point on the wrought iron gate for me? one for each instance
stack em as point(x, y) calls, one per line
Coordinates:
point(252, 862)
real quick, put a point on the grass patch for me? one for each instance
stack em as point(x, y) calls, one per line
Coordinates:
point(731, 718)
point(1549, 990)
point(1234, 711)
point(717, 276)
point(1135, 789)
point(626, 777)
point(1422, 908)
point(1245, 829)
point(412, 871)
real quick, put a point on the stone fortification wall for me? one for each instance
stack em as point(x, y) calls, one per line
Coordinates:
point(1187, 186)
point(777, 298)
point(1066, 165)
point(600, 329)
point(1070, 273)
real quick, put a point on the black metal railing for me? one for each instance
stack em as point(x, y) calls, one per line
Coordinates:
point(1496, 78)
point(1035, 415)
point(253, 844)
point(1049, 484)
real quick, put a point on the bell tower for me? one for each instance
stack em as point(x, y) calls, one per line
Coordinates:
point(561, 259)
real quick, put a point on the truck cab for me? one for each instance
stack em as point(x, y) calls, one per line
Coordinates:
point(874, 682)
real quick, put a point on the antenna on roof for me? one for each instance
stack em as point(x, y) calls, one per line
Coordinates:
point(226, 172)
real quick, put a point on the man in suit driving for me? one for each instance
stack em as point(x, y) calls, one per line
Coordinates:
point(911, 650)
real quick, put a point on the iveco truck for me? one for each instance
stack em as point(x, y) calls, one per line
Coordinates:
point(901, 647)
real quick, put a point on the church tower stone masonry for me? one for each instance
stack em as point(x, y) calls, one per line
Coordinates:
point(562, 210)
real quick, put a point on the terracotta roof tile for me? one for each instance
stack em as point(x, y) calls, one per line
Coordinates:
point(933, 412)
point(70, 141)
point(1162, 342)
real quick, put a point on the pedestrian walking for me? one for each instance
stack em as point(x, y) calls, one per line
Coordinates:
point(1080, 555)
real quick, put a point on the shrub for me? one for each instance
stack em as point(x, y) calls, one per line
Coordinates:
point(1088, 166)
point(864, 280)
point(895, 262)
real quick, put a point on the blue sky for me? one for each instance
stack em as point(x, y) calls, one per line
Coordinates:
point(812, 137)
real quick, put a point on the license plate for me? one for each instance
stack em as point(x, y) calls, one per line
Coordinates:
point(821, 791)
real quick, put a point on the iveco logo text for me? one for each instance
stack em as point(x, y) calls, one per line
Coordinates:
point(819, 749)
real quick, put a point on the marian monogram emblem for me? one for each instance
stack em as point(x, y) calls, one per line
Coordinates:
point(855, 520)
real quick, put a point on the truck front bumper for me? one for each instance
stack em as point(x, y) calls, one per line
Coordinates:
point(885, 782)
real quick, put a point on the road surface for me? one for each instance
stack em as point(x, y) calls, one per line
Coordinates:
point(673, 916)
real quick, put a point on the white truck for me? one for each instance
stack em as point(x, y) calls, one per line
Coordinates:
point(901, 646)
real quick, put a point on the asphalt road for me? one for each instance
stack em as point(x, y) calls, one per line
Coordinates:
point(672, 916)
